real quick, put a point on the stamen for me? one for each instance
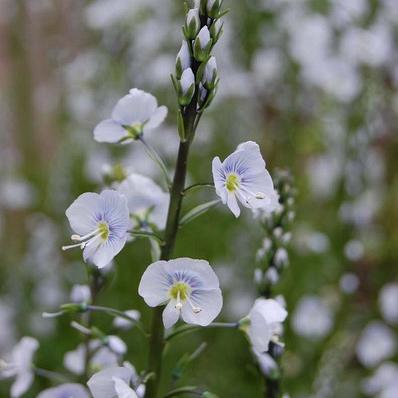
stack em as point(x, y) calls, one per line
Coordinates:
point(195, 309)
point(178, 305)
point(76, 237)
point(81, 245)
point(257, 195)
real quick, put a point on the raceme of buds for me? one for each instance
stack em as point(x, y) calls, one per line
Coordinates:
point(183, 60)
point(186, 87)
point(202, 44)
point(192, 24)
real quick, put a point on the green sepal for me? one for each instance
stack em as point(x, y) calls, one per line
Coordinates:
point(180, 126)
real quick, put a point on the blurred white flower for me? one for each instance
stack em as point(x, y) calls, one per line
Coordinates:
point(16, 194)
point(242, 176)
point(19, 365)
point(101, 222)
point(145, 200)
point(265, 323)
point(80, 294)
point(376, 343)
point(125, 324)
point(267, 67)
point(68, 390)
point(354, 250)
point(349, 283)
point(134, 114)
point(388, 301)
point(112, 382)
point(385, 377)
point(267, 363)
point(312, 318)
point(189, 287)
point(102, 357)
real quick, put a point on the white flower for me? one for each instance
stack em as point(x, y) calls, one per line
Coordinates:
point(187, 80)
point(112, 383)
point(385, 377)
point(19, 366)
point(134, 114)
point(388, 301)
point(125, 324)
point(242, 176)
point(80, 294)
point(376, 343)
point(265, 320)
point(101, 358)
point(189, 287)
point(145, 199)
point(267, 363)
point(68, 390)
point(312, 318)
point(101, 222)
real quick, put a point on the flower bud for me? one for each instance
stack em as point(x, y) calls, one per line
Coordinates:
point(186, 87)
point(216, 30)
point(183, 60)
point(117, 345)
point(271, 276)
point(80, 294)
point(213, 8)
point(192, 23)
point(281, 257)
point(210, 73)
point(202, 44)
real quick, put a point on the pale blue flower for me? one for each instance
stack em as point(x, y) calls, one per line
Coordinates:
point(242, 176)
point(265, 320)
point(101, 222)
point(189, 287)
point(134, 114)
point(19, 365)
point(69, 390)
point(113, 382)
point(145, 199)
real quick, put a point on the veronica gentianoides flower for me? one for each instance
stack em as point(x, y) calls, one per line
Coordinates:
point(101, 222)
point(134, 114)
point(242, 177)
point(189, 288)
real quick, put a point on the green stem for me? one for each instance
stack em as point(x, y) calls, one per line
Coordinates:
point(48, 374)
point(193, 328)
point(147, 234)
point(197, 186)
point(157, 159)
point(183, 390)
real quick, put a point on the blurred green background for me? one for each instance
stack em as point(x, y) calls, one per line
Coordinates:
point(313, 82)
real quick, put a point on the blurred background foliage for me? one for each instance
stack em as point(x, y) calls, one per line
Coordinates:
point(313, 81)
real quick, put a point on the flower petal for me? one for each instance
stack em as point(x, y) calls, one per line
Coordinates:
point(21, 384)
point(83, 214)
point(271, 310)
point(157, 118)
point(122, 389)
point(101, 384)
point(170, 314)
point(109, 131)
point(219, 179)
point(155, 284)
point(197, 273)
point(209, 301)
point(116, 212)
point(259, 332)
point(136, 107)
point(233, 204)
point(65, 390)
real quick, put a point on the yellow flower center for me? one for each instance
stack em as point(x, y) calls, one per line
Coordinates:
point(103, 230)
point(179, 291)
point(232, 182)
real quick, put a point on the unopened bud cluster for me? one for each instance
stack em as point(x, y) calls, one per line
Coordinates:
point(272, 257)
point(196, 68)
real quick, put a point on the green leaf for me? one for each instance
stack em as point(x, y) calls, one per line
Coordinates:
point(198, 211)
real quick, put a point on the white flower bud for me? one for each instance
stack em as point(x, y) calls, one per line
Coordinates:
point(213, 8)
point(117, 345)
point(183, 60)
point(210, 73)
point(271, 276)
point(258, 276)
point(278, 232)
point(125, 324)
point(187, 80)
point(216, 30)
point(203, 37)
point(281, 257)
point(286, 238)
point(192, 23)
point(80, 294)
